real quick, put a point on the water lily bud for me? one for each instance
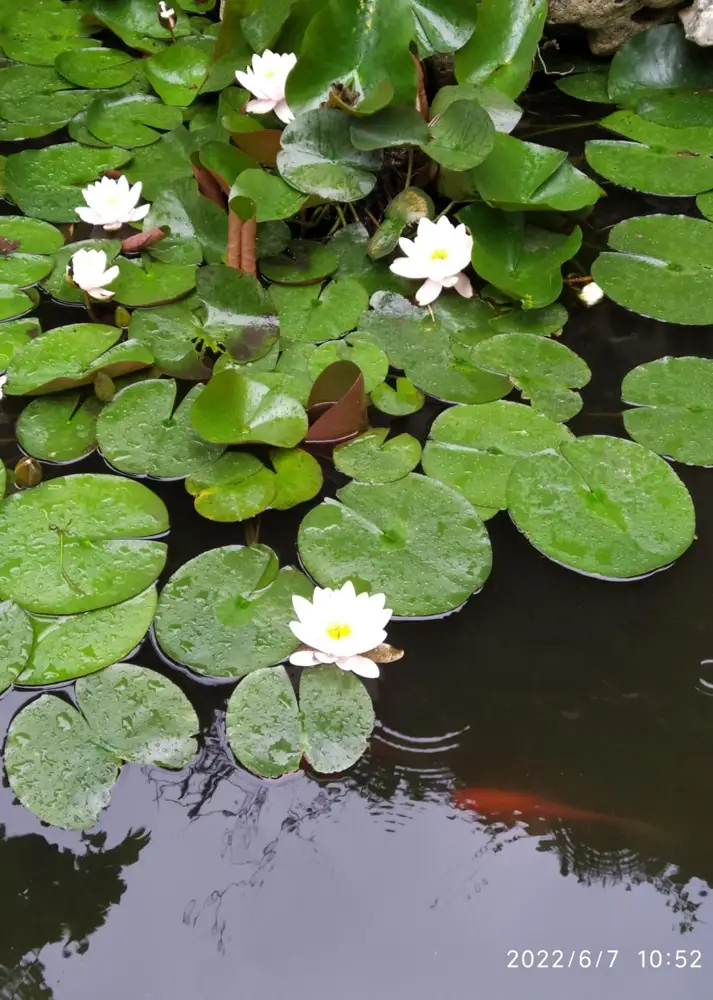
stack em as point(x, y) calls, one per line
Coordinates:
point(591, 294)
point(166, 16)
point(28, 472)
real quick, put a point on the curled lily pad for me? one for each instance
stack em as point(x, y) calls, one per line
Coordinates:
point(151, 282)
point(226, 612)
point(543, 370)
point(81, 644)
point(602, 506)
point(47, 183)
point(141, 433)
point(370, 458)
point(139, 715)
point(382, 538)
point(317, 157)
point(174, 335)
point(234, 409)
point(662, 270)
point(80, 542)
point(399, 400)
point(298, 477)
point(475, 448)
point(269, 733)
point(59, 428)
point(313, 315)
point(303, 263)
point(337, 405)
point(233, 488)
point(55, 764)
point(70, 356)
point(15, 642)
point(674, 408)
point(239, 315)
point(96, 68)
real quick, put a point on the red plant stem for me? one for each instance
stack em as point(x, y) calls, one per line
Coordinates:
point(233, 254)
point(248, 263)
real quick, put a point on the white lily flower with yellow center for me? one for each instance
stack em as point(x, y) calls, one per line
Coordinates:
point(87, 270)
point(266, 80)
point(438, 253)
point(338, 626)
point(111, 203)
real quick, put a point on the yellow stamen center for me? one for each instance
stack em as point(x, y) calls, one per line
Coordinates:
point(339, 631)
point(439, 255)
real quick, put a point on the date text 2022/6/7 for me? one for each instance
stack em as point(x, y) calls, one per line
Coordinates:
point(585, 958)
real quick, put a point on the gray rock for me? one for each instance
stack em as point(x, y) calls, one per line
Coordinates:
point(698, 22)
point(609, 23)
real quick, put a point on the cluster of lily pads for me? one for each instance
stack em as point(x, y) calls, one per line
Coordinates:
point(269, 288)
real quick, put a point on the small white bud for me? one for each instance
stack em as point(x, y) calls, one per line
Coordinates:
point(591, 294)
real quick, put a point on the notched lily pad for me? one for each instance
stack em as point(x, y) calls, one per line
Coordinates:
point(305, 262)
point(370, 458)
point(59, 428)
point(234, 409)
point(234, 488)
point(313, 315)
point(399, 400)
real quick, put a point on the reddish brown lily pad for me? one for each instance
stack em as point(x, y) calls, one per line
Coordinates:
point(336, 407)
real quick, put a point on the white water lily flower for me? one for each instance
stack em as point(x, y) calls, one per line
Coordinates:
point(111, 203)
point(438, 253)
point(591, 294)
point(87, 270)
point(266, 80)
point(338, 626)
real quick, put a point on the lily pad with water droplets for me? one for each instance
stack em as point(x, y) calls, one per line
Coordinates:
point(189, 216)
point(373, 362)
point(173, 334)
point(60, 428)
point(15, 334)
point(543, 370)
point(337, 718)
point(660, 59)
point(313, 315)
point(674, 408)
point(72, 646)
point(272, 197)
point(303, 263)
point(239, 314)
point(55, 764)
point(602, 506)
point(475, 448)
point(70, 356)
point(178, 71)
point(370, 458)
point(130, 119)
point(545, 322)
point(97, 68)
point(39, 32)
point(14, 302)
point(80, 542)
point(399, 400)
point(150, 282)
point(143, 433)
point(136, 23)
point(140, 715)
point(233, 488)
point(298, 477)
point(47, 183)
point(226, 612)
point(416, 540)
point(663, 268)
point(15, 642)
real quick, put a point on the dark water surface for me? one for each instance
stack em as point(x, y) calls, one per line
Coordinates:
point(210, 883)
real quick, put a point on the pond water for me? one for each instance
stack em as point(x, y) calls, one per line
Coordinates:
point(593, 698)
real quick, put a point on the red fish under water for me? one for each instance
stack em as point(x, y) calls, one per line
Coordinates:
point(497, 802)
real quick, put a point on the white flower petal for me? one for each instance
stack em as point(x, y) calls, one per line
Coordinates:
point(87, 214)
point(409, 267)
point(137, 214)
point(283, 112)
point(109, 275)
point(362, 666)
point(304, 658)
point(110, 227)
point(428, 292)
point(303, 608)
point(260, 106)
point(463, 286)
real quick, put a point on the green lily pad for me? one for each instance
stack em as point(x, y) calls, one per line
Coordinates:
point(311, 314)
point(545, 322)
point(298, 477)
point(136, 23)
point(234, 409)
point(522, 260)
point(140, 433)
point(263, 723)
point(234, 488)
point(303, 263)
point(461, 137)
point(59, 428)
point(370, 458)
point(97, 68)
point(57, 284)
point(15, 642)
point(140, 715)
point(12, 131)
point(33, 235)
point(351, 245)
point(399, 400)
point(239, 314)
point(392, 126)
point(602, 506)
point(15, 334)
point(589, 86)
point(382, 538)
point(131, 120)
point(475, 448)
point(80, 542)
point(655, 171)
point(502, 50)
point(69, 647)
point(70, 356)
point(656, 60)
point(178, 71)
point(149, 282)
point(317, 157)
point(269, 733)
point(226, 612)
point(272, 197)
point(663, 269)
point(23, 269)
point(272, 239)
point(158, 166)
point(47, 183)
point(37, 33)
point(173, 335)
point(680, 140)
point(55, 765)
point(372, 360)
point(189, 216)
point(504, 112)
point(14, 302)
point(674, 408)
